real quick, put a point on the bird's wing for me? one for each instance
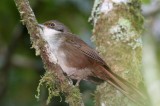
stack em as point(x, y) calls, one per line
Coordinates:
point(103, 71)
point(84, 48)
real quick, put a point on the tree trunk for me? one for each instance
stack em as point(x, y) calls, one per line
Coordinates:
point(117, 34)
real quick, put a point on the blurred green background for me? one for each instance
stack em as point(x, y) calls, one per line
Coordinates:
point(20, 69)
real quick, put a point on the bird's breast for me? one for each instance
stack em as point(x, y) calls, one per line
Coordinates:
point(73, 71)
point(62, 61)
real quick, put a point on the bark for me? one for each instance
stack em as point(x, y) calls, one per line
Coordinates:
point(117, 34)
point(54, 79)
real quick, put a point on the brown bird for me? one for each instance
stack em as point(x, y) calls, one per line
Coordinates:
point(81, 62)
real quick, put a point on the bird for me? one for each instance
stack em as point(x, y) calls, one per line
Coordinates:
point(81, 62)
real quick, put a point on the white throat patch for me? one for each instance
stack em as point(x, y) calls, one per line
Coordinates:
point(53, 42)
point(49, 34)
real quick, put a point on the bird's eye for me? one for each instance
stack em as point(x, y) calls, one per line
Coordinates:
point(52, 25)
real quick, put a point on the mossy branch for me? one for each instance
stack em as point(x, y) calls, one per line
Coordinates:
point(54, 79)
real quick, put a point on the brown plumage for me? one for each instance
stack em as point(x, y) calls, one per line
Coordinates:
point(79, 61)
point(99, 69)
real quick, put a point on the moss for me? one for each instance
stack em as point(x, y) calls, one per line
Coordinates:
point(118, 38)
point(124, 22)
point(74, 97)
point(49, 81)
point(72, 93)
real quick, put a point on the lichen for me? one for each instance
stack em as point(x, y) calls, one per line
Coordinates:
point(136, 43)
point(106, 6)
point(124, 31)
point(95, 12)
point(117, 34)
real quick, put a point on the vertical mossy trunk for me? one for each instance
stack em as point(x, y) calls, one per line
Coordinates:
point(117, 34)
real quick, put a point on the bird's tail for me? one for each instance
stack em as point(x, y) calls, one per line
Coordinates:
point(122, 85)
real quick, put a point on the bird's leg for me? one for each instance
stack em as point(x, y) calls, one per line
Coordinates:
point(69, 79)
point(78, 81)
